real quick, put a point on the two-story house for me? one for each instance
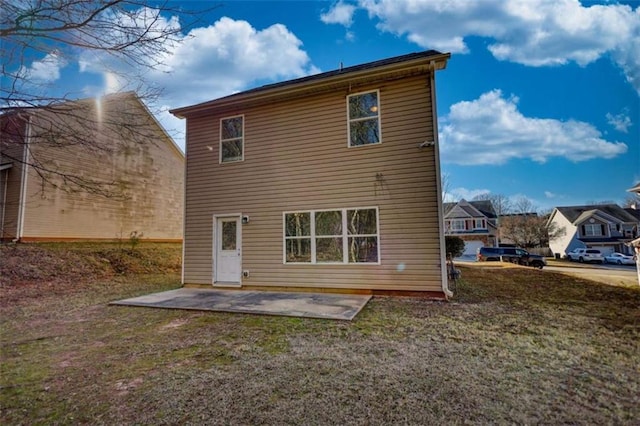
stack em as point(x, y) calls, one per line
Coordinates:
point(606, 227)
point(91, 169)
point(328, 182)
point(474, 222)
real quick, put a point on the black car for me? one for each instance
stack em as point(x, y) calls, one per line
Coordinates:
point(510, 254)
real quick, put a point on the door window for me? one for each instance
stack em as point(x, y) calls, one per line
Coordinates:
point(229, 235)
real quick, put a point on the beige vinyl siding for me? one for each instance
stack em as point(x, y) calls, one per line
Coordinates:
point(12, 147)
point(150, 176)
point(296, 159)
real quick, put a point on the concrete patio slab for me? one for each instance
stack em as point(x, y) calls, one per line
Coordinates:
point(308, 305)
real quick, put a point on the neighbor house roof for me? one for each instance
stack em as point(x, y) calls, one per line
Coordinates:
point(431, 59)
point(633, 212)
point(69, 104)
point(483, 206)
point(527, 214)
point(578, 213)
point(635, 188)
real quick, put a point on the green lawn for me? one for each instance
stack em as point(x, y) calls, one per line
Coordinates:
point(515, 345)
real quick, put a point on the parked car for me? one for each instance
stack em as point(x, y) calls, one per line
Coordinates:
point(510, 254)
point(585, 255)
point(620, 259)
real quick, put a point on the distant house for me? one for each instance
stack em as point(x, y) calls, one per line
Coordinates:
point(473, 221)
point(328, 182)
point(606, 227)
point(55, 187)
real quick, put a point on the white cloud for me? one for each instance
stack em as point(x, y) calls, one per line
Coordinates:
point(491, 130)
point(550, 194)
point(210, 62)
point(45, 70)
point(621, 122)
point(340, 13)
point(531, 32)
point(350, 36)
point(228, 56)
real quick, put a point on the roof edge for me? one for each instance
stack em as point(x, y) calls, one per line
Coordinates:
point(432, 58)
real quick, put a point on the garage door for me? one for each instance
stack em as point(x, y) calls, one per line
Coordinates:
point(471, 247)
point(605, 250)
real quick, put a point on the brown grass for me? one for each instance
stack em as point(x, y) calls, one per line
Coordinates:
point(516, 345)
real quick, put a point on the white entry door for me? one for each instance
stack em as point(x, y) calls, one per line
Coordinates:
point(228, 259)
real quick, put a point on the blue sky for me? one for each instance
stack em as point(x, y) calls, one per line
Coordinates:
point(541, 98)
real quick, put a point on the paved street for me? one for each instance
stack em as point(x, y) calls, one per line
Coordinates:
point(606, 273)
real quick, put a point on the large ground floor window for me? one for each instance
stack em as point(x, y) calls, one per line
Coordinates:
point(332, 236)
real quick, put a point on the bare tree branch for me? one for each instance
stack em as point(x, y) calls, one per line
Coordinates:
point(127, 38)
point(529, 230)
point(501, 203)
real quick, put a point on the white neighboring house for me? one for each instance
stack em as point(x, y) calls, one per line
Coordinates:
point(606, 227)
point(474, 222)
point(635, 246)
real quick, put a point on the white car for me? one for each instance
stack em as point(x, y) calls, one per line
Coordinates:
point(585, 255)
point(620, 259)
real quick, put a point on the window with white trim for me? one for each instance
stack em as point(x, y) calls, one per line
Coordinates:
point(479, 224)
point(232, 139)
point(592, 230)
point(332, 236)
point(364, 118)
point(457, 225)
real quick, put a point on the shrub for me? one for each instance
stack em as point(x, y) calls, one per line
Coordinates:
point(134, 238)
point(454, 245)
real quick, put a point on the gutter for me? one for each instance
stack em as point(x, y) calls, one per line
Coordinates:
point(184, 204)
point(293, 87)
point(3, 204)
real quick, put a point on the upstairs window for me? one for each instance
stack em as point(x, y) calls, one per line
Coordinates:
point(332, 236)
point(479, 224)
point(232, 139)
point(457, 225)
point(364, 118)
point(593, 230)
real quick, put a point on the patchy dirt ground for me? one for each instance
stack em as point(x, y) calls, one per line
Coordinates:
point(34, 270)
point(515, 346)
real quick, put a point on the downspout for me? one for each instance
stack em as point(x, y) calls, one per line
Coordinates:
point(23, 182)
point(4, 201)
point(443, 255)
point(184, 199)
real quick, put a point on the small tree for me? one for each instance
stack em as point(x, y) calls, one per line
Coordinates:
point(445, 183)
point(134, 239)
point(454, 245)
point(529, 230)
